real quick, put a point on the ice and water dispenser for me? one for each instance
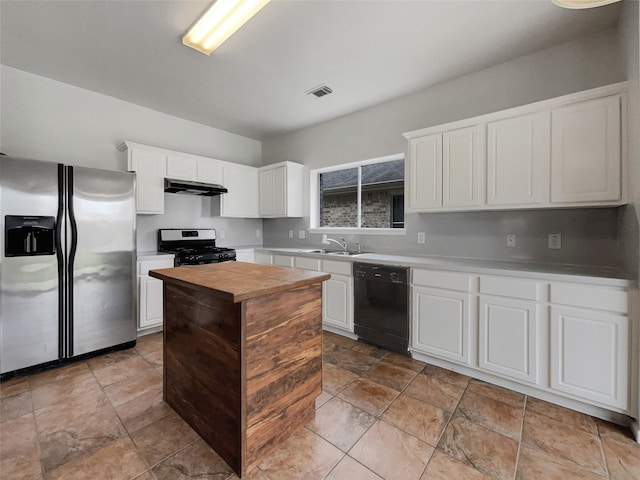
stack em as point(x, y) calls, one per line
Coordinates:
point(28, 236)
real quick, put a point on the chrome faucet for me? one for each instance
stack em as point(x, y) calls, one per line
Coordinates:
point(343, 243)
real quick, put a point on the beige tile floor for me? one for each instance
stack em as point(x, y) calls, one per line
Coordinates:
point(380, 416)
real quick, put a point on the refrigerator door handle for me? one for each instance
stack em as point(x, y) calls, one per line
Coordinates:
point(60, 260)
point(72, 257)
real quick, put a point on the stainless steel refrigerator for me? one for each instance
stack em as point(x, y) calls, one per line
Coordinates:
point(67, 267)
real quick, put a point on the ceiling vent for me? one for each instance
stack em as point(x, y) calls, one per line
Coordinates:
point(319, 91)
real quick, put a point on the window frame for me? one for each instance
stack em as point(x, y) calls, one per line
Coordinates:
point(314, 200)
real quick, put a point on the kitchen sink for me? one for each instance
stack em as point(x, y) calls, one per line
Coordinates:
point(332, 252)
point(341, 252)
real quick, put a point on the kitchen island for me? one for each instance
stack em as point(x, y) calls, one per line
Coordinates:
point(242, 353)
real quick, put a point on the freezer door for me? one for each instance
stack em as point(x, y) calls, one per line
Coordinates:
point(29, 295)
point(101, 259)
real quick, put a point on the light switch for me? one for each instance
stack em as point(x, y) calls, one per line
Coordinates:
point(258, 233)
point(421, 237)
point(290, 233)
point(301, 234)
point(221, 233)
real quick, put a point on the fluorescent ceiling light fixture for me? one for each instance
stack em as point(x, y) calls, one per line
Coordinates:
point(218, 23)
point(582, 3)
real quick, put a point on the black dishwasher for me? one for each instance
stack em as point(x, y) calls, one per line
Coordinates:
point(381, 306)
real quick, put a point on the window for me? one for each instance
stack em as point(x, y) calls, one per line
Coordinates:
point(363, 195)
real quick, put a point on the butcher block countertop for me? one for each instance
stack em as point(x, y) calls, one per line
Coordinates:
point(239, 281)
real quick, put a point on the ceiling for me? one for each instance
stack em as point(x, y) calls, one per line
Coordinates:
point(254, 84)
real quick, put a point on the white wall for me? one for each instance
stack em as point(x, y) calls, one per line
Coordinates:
point(45, 119)
point(48, 120)
point(377, 131)
point(591, 234)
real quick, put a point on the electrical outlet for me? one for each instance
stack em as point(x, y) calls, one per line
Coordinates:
point(290, 233)
point(555, 241)
point(221, 234)
point(421, 237)
point(511, 240)
point(301, 234)
point(258, 233)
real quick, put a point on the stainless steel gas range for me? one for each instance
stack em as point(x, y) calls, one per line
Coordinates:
point(193, 247)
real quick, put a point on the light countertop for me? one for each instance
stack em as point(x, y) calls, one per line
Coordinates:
point(578, 273)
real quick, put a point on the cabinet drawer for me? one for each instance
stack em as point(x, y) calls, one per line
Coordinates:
point(341, 268)
point(584, 296)
point(508, 287)
point(447, 280)
point(283, 260)
point(307, 263)
point(144, 267)
point(264, 258)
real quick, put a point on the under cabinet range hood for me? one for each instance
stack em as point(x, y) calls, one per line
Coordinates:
point(187, 187)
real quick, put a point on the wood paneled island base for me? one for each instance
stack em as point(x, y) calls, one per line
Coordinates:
point(242, 353)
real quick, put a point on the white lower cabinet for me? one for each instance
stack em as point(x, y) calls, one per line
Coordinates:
point(441, 323)
point(263, 258)
point(442, 312)
point(589, 355)
point(337, 295)
point(337, 305)
point(150, 294)
point(283, 260)
point(245, 255)
point(151, 304)
point(507, 337)
point(563, 338)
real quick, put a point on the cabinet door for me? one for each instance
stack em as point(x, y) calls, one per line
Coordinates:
point(590, 355)
point(279, 191)
point(461, 167)
point(441, 323)
point(266, 192)
point(518, 160)
point(425, 173)
point(508, 337)
point(585, 152)
point(263, 258)
point(245, 255)
point(337, 302)
point(209, 171)
point(181, 168)
point(273, 192)
point(283, 260)
point(151, 302)
point(150, 171)
point(242, 199)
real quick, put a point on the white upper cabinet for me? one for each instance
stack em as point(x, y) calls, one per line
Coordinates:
point(241, 201)
point(424, 171)
point(152, 165)
point(562, 152)
point(197, 169)
point(518, 160)
point(281, 190)
point(181, 168)
point(443, 170)
point(150, 168)
point(210, 171)
point(585, 153)
point(461, 155)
